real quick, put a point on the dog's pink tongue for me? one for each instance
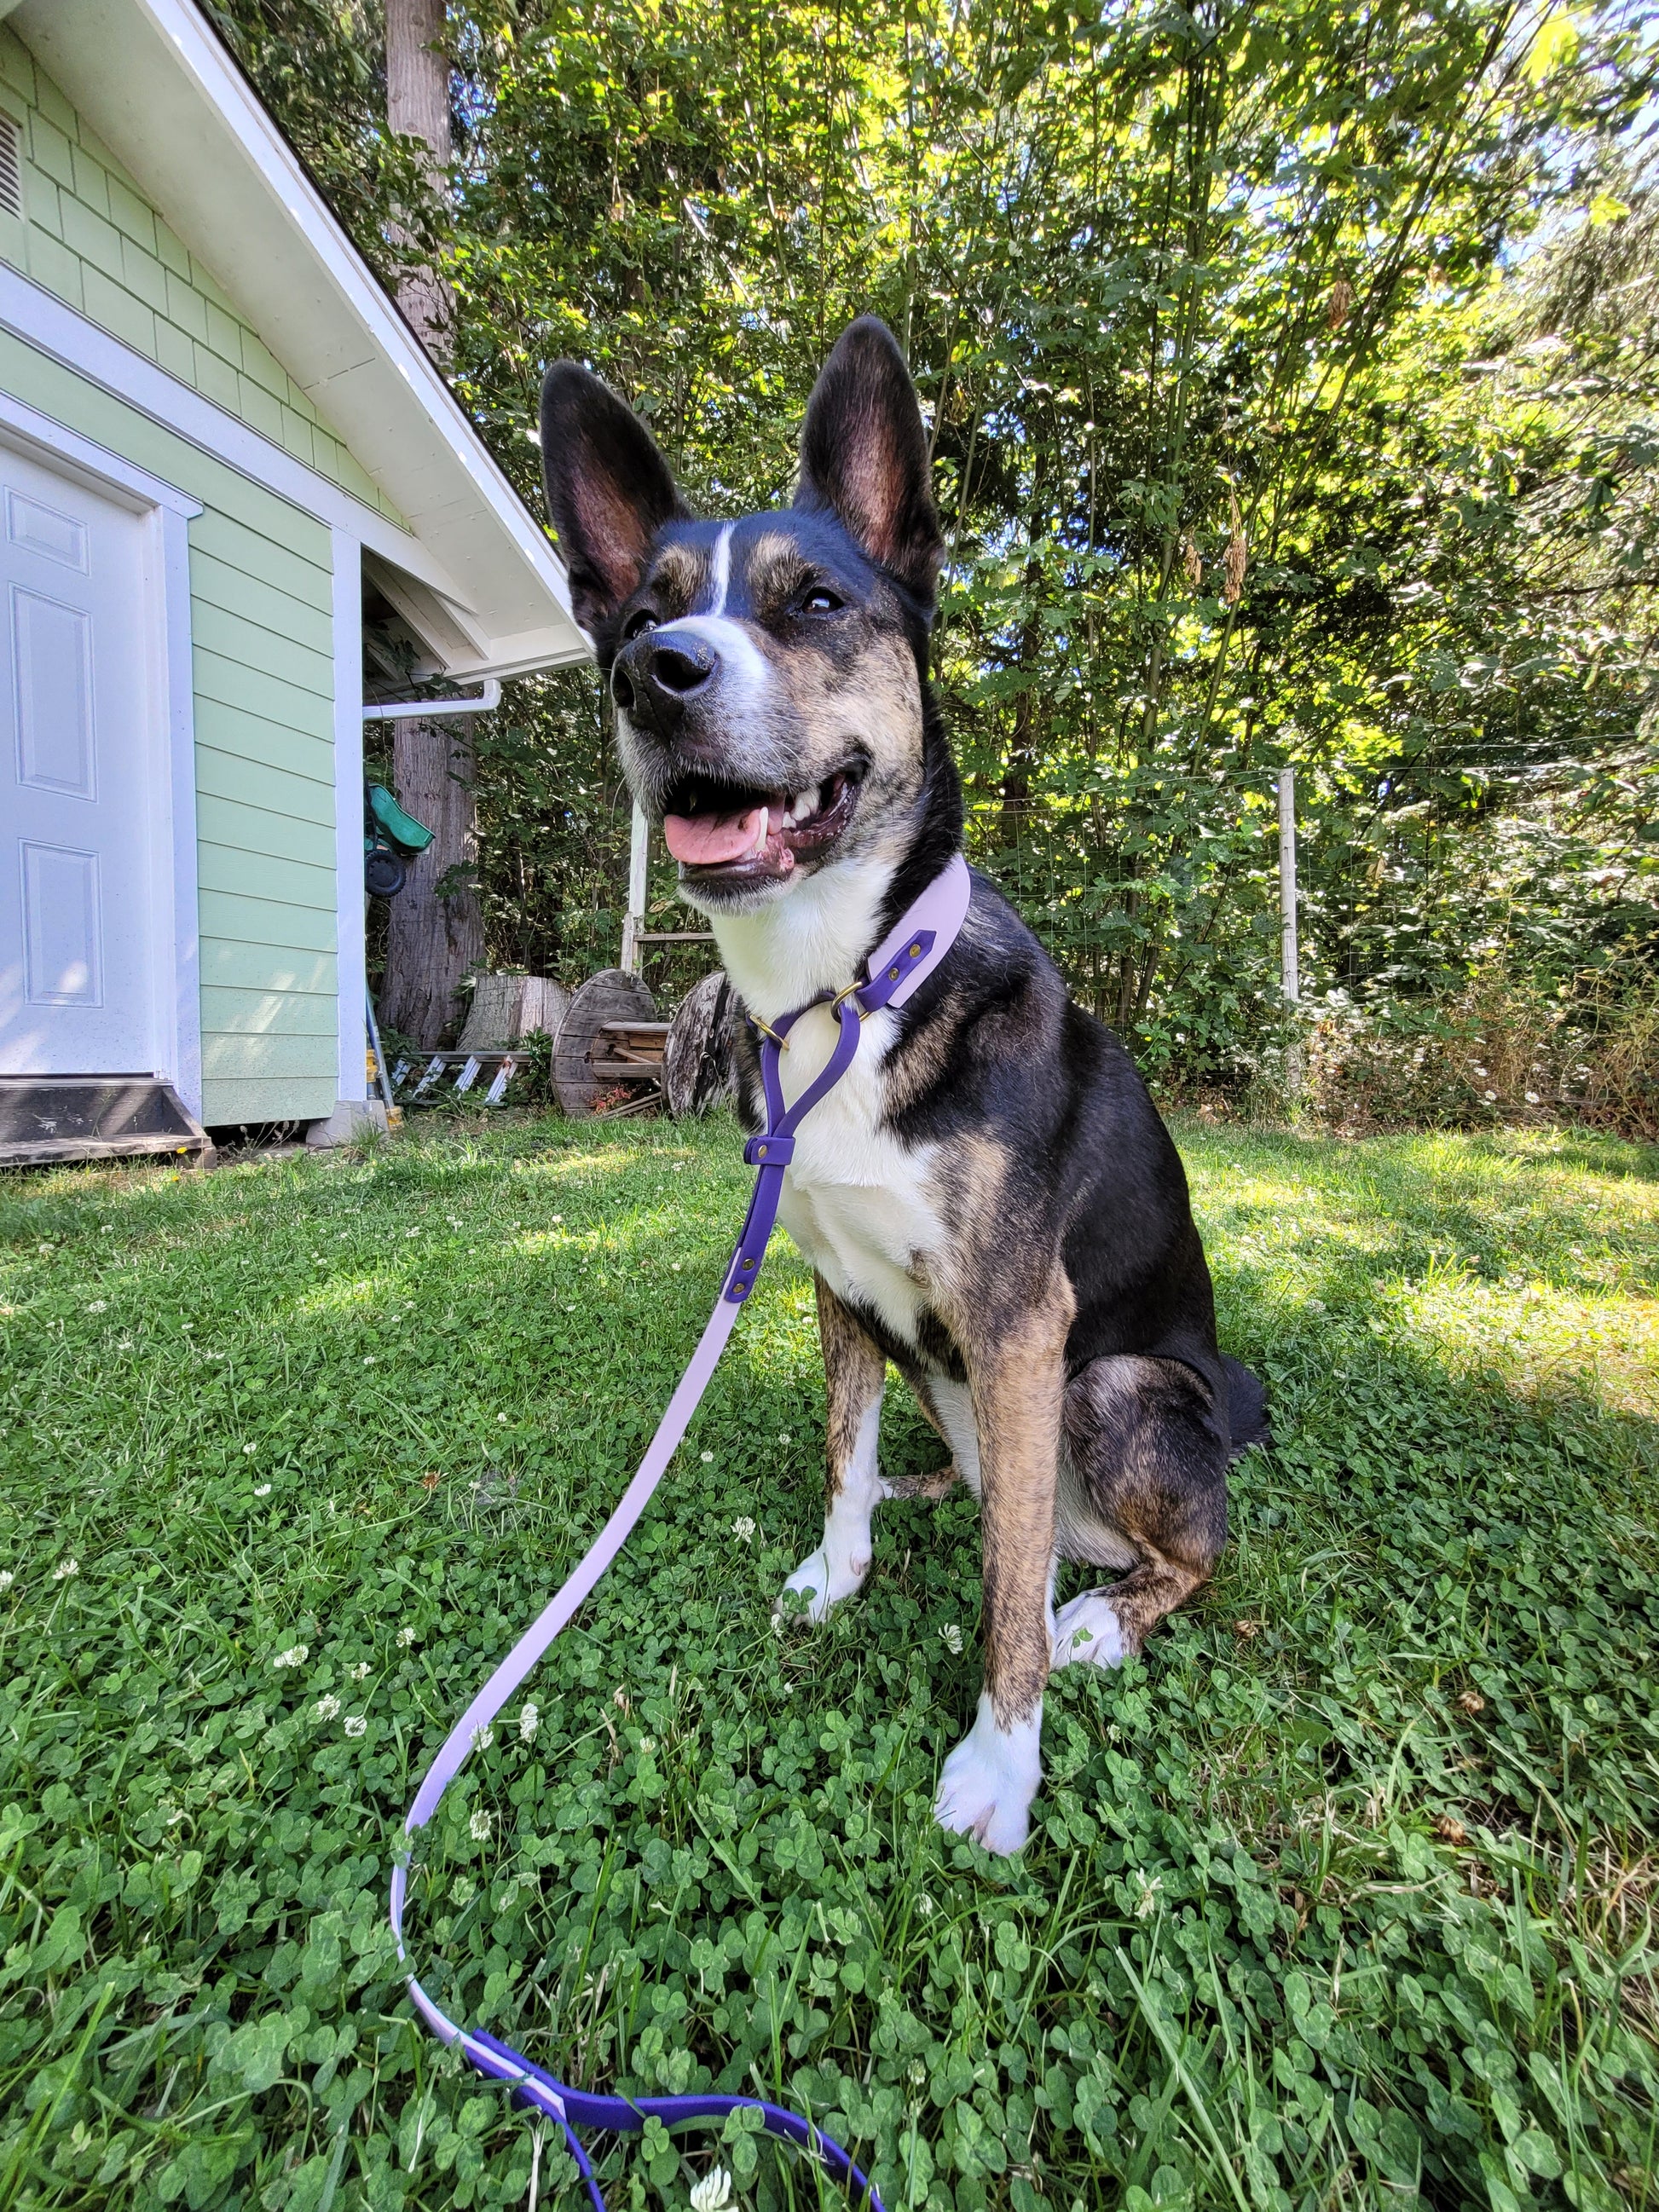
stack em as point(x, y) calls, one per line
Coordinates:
point(705, 840)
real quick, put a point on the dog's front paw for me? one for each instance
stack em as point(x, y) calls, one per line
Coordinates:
point(1088, 1629)
point(823, 1580)
point(987, 1784)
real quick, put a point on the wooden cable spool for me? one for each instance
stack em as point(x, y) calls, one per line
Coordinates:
point(611, 996)
point(697, 1068)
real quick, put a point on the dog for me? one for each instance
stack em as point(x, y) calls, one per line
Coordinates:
point(988, 1199)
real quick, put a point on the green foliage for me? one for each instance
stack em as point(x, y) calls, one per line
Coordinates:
point(1291, 381)
point(1341, 1893)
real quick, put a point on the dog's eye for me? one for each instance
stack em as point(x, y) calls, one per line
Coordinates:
point(638, 624)
point(821, 600)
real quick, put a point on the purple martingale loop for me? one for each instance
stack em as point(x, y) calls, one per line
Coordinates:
point(903, 960)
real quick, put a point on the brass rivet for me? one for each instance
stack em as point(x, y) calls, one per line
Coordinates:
point(760, 1151)
point(915, 952)
point(892, 974)
point(747, 1263)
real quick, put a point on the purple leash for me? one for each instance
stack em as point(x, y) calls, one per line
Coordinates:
point(900, 963)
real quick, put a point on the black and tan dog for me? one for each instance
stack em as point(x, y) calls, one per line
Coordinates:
point(988, 1198)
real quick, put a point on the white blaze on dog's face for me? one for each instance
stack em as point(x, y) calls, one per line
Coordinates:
point(767, 674)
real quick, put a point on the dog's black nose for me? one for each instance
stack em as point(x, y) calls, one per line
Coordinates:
point(654, 678)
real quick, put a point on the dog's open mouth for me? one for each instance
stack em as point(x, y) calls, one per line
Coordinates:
point(737, 831)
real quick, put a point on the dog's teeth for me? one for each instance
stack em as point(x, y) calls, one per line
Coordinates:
point(763, 833)
point(801, 804)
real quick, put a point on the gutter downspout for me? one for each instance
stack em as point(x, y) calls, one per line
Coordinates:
point(427, 710)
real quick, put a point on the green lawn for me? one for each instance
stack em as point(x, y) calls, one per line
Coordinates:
point(1343, 1896)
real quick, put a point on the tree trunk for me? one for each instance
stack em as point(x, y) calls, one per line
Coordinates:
point(435, 929)
point(436, 926)
point(417, 106)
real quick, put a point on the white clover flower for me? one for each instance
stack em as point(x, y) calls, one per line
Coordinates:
point(99, 1306)
point(482, 1738)
point(647, 1745)
point(1146, 1903)
point(501, 1418)
point(713, 2192)
point(529, 1721)
point(743, 1529)
point(707, 1460)
point(356, 1724)
point(1316, 1305)
point(950, 1635)
point(65, 1571)
point(783, 1435)
point(925, 1905)
point(295, 1655)
point(248, 1450)
point(6, 1579)
point(1489, 1096)
point(411, 1232)
point(327, 1709)
point(262, 1490)
point(405, 1637)
point(360, 1672)
point(479, 1826)
point(369, 1359)
point(1531, 1098)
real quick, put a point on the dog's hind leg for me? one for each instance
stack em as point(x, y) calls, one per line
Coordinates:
point(854, 1374)
point(1143, 1486)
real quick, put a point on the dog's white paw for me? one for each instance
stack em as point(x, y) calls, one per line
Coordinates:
point(1088, 1629)
point(825, 1579)
point(987, 1784)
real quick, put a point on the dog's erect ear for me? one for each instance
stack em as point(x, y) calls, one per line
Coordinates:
point(864, 456)
point(609, 490)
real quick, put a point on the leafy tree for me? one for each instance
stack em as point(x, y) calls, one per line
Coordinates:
point(1289, 378)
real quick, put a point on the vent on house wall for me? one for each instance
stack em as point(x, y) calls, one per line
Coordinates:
point(11, 168)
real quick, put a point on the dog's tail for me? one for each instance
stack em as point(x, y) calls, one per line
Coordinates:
point(1246, 1406)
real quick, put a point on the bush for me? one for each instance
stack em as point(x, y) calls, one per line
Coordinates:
point(1502, 1051)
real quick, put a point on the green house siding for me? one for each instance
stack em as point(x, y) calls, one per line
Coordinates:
point(261, 617)
point(88, 235)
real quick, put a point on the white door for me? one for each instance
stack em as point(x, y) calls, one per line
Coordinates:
point(77, 938)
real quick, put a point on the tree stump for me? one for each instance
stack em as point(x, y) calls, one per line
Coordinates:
point(493, 1018)
point(697, 1069)
point(612, 995)
point(542, 1007)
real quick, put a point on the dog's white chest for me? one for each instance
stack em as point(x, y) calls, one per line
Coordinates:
point(857, 1201)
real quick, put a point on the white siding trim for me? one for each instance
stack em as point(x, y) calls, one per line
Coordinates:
point(175, 703)
point(351, 954)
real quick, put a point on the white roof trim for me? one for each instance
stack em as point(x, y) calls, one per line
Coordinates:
point(157, 87)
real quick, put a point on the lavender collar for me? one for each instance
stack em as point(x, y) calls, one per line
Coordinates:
point(898, 967)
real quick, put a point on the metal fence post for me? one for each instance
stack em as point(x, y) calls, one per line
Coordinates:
point(1290, 964)
point(639, 857)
